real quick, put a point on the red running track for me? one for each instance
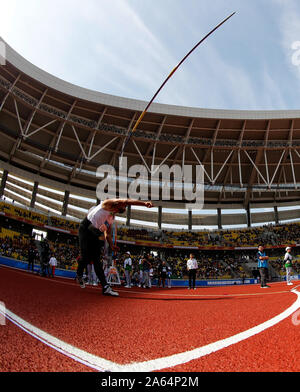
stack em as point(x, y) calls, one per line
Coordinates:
point(143, 325)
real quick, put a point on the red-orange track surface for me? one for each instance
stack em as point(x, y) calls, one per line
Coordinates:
point(146, 324)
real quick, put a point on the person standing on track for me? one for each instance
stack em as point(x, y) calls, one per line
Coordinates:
point(99, 222)
point(31, 254)
point(192, 267)
point(53, 264)
point(262, 260)
point(169, 275)
point(141, 274)
point(288, 260)
point(92, 278)
point(146, 272)
point(162, 273)
point(44, 257)
point(128, 269)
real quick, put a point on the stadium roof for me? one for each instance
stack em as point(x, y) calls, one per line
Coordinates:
point(61, 132)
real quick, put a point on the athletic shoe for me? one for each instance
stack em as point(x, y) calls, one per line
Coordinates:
point(290, 284)
point(127, 287)
point(189, 288)
point(194, 288)
point(81, 282)
point(265, 287)
point(109, 291)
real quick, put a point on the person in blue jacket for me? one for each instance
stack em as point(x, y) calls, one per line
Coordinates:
point(262, 264)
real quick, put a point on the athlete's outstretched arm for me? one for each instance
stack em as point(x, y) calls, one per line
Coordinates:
point(132, 202)
point(115, 204)
point(108, 238)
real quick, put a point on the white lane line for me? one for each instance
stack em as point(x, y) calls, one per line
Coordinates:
point(64, 348)
point(179, 359)
point(102, 364)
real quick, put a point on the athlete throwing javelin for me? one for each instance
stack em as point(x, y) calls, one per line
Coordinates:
point(99, 221)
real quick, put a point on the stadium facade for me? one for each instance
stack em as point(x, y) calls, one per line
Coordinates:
point(55, 135)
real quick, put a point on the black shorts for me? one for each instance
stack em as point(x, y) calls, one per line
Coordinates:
point(89, 243)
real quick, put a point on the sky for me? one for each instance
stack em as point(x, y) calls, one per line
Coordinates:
point(128, 47)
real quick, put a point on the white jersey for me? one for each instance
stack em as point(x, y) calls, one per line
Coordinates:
point(53, 262)
point(192, 264)
point(128, 262)
point(100, 218)
point(288, 257)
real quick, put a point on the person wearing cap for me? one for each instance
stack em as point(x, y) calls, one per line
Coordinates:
point(128, 269)
point(288, 260)
point(262, 261)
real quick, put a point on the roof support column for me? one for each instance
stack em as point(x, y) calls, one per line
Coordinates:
point(159, 217)
point(276, 215)
point(128, 217)
point(190, 219)
point(65, 203)
point(219, 219)
point(34, 193)
point(248, 212)
point(3, 182)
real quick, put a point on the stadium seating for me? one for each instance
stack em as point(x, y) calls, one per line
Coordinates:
point(211, 265)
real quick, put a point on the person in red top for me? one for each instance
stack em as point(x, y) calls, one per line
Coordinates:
point(53, 265)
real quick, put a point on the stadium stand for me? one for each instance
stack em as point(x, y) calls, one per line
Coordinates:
point(49, 170)
point(221, 254)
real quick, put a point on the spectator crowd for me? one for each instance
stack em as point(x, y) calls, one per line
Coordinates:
point(218, 260)
point(212, 264)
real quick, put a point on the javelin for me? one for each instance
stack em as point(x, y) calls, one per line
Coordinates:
point(165, 81)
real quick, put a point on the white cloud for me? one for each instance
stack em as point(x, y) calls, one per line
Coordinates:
point(123, 47)
point(271, 91)
point(290, 30)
